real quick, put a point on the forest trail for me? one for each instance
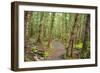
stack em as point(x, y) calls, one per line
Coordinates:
point(46, 34)
point(58, 51)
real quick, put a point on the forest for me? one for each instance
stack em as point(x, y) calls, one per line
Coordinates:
point(56, 36)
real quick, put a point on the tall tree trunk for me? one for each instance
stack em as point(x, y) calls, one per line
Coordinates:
point(63, 28)
point(51, 27)
point(26, 32)
point(26, 26)
point(72, 38)
point(86, 38)
point(39, 39)
point(65, 25)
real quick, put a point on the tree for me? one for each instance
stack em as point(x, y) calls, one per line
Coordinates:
point(26, 31)
point(67, 29)
point(51, 27)
point(40, 33)
point(86, 38)
point(72, 37)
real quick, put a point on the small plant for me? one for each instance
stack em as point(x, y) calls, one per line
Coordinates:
point(79, 45)
point(45, 54)
point(34, 50)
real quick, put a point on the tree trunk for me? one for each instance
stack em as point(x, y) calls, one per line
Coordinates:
point(39, 39)
point(51, 27)
point(72, 38)
point(26, 26)
point(86, 37)
point(26, 32)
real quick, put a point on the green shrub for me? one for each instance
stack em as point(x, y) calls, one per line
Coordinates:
point(79, 45)
point(45, 54)
point(34, 50)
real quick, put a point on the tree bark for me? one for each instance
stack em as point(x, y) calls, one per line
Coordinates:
point(26, 32)
point(72, 38)
point(39, 39)
point(26, 26)
point(86, 37)
point(51, 27)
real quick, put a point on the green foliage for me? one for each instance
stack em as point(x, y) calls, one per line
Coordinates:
point(79, 45)
point(88, 44)
point(41, 53)
point(34, 50)
point(45, 54)
point(45, 27)
point(85, 54)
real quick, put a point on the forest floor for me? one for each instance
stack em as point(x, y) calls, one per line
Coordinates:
point(57, 51)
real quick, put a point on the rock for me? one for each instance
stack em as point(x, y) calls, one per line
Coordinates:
point(36, 58)
point(41, 58)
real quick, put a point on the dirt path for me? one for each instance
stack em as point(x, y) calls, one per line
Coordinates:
point(57, 51)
